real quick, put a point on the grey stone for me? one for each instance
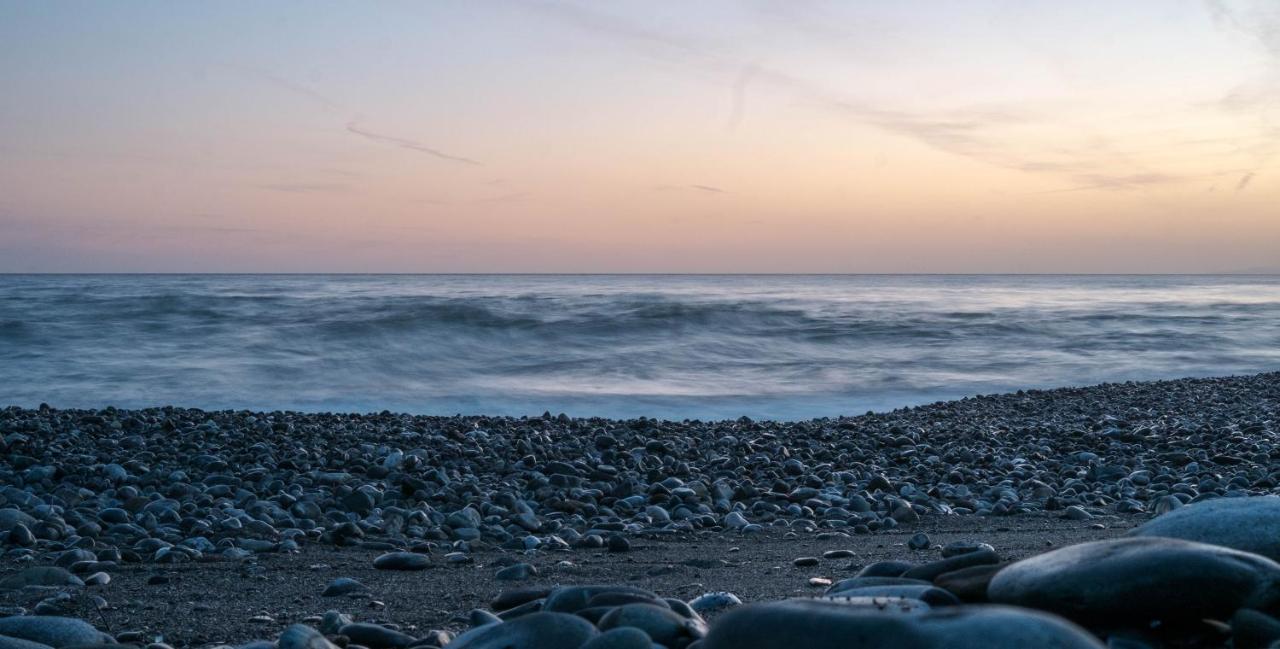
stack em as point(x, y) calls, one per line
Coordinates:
point(817, 624)
point(1247, 524)
point(1138, 579)
point(53, 630)
point(533, 631)
point(402, 561)
point(376, 636)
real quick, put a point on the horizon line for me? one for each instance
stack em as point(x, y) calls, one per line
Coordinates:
point(1275, 273)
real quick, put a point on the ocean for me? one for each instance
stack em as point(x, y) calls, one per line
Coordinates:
point(666, 346)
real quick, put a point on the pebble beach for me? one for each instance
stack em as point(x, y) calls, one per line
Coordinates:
point(1118, 515)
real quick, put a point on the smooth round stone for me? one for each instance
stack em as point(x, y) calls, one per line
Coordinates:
point(1250, 628)
point(40, 576)
point(1076, 513)
point(805, 562)
point(618, 543)
point(886, 569)
point(969, 584)
point(1138, 579)
point(816, 624)
point(517, 572)
point(930, 570)
point(300, 636)
point(569, 599)
point(514, 597)
point(533, 631)
point(956, 548)
point(925, 593)
point(53, 631)
point(1246, 524)
point(376, 636)
point(866, 582)
point(663, 625)
point(919, 541)
point(402, 561)
point(887, 605)
point(620, 638)
point(481, 617)
point(342, 586)
point(9, 518)
point(21, 536)
point(7, 642)
point(714, 602)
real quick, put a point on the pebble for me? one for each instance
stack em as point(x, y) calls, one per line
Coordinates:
point(402, 561)
point(376, 636)
point(342, 586)
point(715, 602)
point(53, 630)
point(85, 491)
point(919, 541)
point(517, 572)
point(534, 631)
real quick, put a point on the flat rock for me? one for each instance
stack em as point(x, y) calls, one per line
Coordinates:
point(815, 624)
point(300, 636)
point(402, 561)
point(40, 576)
point(1139, 579)
point(620, 638)
point(1247, 524)
point(53, 630)
point(7, 642)
point(376, 636)
point(533, 631)
point(342, 586)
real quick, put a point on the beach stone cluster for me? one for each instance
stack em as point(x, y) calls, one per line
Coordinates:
point(84, 491)
point(172, 485)
point(1139, 590)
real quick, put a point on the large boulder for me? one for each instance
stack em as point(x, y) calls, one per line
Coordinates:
point(533, 631)
point(1247, 524)
point(1138, 579)
point(53, 631)
point(817, 624)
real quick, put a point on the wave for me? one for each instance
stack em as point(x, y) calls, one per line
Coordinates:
point(763, 346)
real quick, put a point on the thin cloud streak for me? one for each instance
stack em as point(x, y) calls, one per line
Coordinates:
point(1244, 181)
point(354, 128)
point(966, 133)
point(306, 188)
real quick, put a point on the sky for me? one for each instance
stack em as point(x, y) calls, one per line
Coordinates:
point(991, 136)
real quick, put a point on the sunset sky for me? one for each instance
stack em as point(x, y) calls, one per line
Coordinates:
point(742, 136)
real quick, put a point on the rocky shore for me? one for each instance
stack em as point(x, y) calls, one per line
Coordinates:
point(998, 521)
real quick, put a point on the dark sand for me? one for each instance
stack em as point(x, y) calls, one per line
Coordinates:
point(215, 601)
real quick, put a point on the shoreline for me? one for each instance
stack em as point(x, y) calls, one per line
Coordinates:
point(1068, 391)
point(225, 526)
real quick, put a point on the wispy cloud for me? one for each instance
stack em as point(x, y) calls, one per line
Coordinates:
point(1119, 182)
point(354, 128)
point(975, 132)
point(510, 197)
point(1244, 181)
point(306, 188)
point(707, 188)
point(282, 83)
point(1260, 20)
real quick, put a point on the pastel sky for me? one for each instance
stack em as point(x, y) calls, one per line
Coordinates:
point(709, 136)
